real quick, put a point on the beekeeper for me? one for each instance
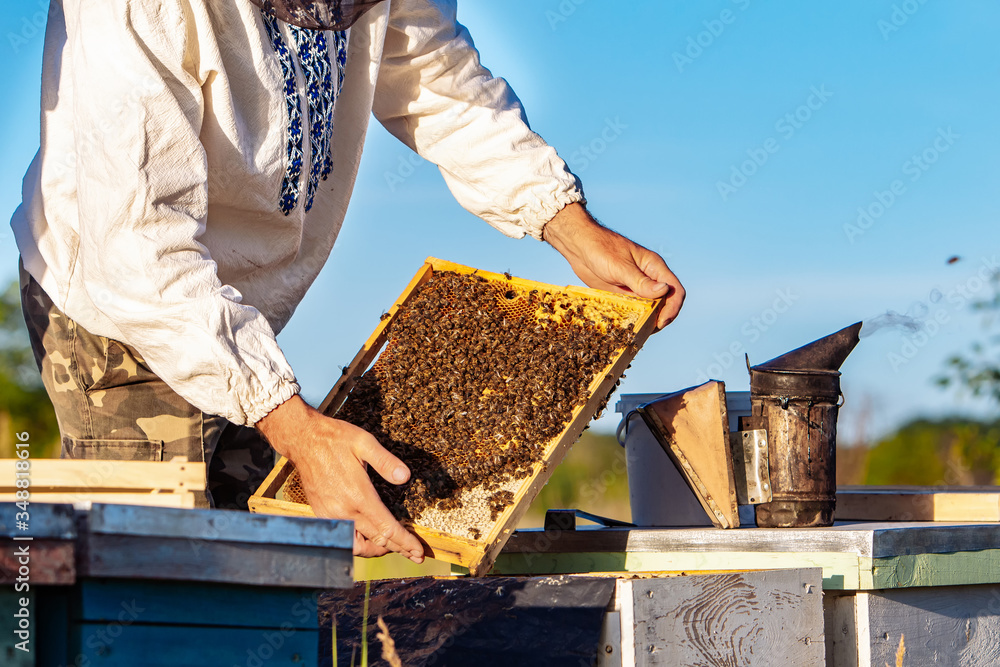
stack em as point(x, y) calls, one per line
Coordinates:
point(196, 162)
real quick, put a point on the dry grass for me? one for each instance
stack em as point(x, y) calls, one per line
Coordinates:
point(900, 652)
point(388, 645)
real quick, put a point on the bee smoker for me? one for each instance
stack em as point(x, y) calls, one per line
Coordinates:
point(795, 398)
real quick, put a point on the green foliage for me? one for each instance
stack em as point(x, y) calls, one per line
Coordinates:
point(953, 451)
point(24, 405)
point(978, 371)
point(592, 477)
point(937, 453)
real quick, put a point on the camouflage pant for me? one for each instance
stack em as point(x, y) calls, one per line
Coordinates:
point(111, 406)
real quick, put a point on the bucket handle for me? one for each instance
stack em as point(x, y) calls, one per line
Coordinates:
point(623, 426)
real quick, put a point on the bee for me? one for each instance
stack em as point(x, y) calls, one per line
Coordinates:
point(469, 394)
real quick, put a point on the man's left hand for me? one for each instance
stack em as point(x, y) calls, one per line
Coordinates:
point(604, 259)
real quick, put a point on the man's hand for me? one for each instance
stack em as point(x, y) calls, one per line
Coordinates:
point(606, 260)
point(331, 457)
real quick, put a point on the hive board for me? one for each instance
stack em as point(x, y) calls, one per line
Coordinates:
point(478, 554)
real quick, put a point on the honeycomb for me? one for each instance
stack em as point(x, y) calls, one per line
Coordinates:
point(477, 380)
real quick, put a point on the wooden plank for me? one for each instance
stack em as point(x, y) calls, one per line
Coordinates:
point(192, 646)
point(749, 618)
point(693, 428)
point(47, 521)
point(918, 504)
point(609, 646)
point(270, 488)
point(841, 571)
point(219, 525)
point(52, 562)
point(260, 564)
point(876, 540)
point(853, 556)
point(861, 616)
point(914, 488)
point(279, 507)
point(856, 539)
point(186, 603)
point(892, 539)
point(478, 555)
point(936, 569)
point(149, 499)
point(957, 626)
point(840, 628)
point(60, 474)
point(625, 604)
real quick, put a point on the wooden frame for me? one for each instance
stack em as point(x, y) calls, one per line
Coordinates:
point(172, 483)
point(477, 555)
point(918, 503)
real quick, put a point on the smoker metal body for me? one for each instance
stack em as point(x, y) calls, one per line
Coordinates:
point(783, 455)
point(796, 398)
point(799, 412)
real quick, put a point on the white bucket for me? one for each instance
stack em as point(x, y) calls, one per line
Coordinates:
point(658, 494)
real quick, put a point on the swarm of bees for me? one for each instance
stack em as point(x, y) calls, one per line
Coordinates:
point(476, 379)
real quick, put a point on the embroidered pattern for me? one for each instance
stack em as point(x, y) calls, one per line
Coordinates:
point(321, 92)
point(293, 151)
point(314, 57)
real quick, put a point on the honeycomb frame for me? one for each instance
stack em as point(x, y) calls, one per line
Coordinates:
point(460, 549)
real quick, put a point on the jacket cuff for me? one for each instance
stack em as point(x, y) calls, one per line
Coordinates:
point(263, 406)
point(535, 223)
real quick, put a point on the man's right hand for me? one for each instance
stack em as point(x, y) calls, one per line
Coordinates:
point(331, 457)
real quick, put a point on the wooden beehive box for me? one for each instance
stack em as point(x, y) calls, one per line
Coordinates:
point(175, 483)
point(478, 542)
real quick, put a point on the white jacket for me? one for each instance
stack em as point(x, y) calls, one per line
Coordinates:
point(151, 213)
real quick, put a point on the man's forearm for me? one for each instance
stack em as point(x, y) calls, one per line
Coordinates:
point(331, 457)
point(606, 260)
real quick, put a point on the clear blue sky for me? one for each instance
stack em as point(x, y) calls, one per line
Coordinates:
point(737, 138)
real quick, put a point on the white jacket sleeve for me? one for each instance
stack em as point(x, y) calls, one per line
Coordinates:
point(435, 96)
point(142, 207)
